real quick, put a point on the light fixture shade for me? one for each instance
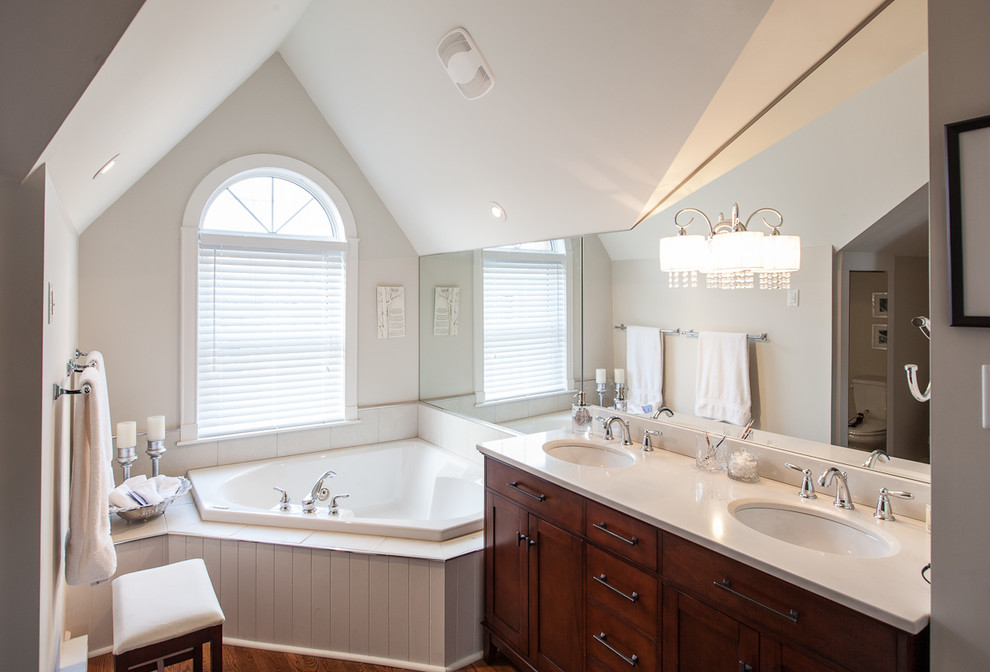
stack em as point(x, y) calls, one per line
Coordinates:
point(737, 251)
point(781, 254)
point(684, 253)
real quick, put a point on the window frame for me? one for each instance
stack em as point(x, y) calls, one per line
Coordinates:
point(479, 326)
point(192, 219)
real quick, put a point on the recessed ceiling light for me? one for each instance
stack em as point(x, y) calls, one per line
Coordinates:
point(497, 211)
point(107, 166)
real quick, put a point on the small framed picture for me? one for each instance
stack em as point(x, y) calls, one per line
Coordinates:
point(880, 304)
point(880, 336)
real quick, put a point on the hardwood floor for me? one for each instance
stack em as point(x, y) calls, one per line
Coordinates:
point(240, 659)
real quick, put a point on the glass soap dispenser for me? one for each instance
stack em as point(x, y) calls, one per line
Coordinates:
point(581, 417)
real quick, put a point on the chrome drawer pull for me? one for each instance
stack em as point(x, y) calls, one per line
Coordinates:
point(601, 526)
point(601, 640)
point(725, 584)
point(604, 581)
point(515, 484)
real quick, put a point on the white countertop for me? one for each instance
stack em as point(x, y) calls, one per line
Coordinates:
point(667, 490)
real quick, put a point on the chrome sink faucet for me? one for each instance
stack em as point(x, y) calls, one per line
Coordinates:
point(626, 438)
point(878, 454)
point(648, 439)
point(842, 498)
point(317, 493)
point(661, 410)
point(807, 486)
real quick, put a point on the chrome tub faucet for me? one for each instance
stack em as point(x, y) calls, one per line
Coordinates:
point(318, 493)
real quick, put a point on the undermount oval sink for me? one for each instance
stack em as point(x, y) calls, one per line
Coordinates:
point(589, 454)
point(810, 529)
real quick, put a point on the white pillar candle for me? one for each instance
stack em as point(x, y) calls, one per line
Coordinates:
point(620, 376)
point(599, 375)
point(126, 434)
point(156, 428)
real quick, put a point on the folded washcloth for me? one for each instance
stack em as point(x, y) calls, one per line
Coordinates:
point(143, 491)
point(123, 496)
point(167, 485)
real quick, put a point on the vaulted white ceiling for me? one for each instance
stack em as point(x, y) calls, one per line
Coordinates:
point(598, 111)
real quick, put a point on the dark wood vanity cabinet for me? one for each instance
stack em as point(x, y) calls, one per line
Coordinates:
point(534, 581)
point(572, 585)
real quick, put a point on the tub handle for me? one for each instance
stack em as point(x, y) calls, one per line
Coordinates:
point(283, 503)
point(515, 484)
point(334, 507)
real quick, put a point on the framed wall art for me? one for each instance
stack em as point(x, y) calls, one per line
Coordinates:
point(967, 153)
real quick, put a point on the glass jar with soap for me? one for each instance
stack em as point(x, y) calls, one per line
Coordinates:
point(743, 466)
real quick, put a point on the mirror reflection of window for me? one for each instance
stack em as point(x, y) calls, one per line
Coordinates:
point(524, 303)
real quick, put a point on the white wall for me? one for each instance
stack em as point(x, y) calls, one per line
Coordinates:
point(129, 257)
point(959, 59)
point(37, 248)
point(61, 273)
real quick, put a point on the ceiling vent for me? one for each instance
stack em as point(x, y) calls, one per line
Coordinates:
point(464, 64)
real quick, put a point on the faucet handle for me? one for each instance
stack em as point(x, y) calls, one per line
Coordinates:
point(334, 507)
point(606, 428)
point(283, 502)
point(807, 485)
point(884, 510)
point(647, 441)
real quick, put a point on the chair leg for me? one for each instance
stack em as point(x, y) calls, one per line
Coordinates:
point(216, 649)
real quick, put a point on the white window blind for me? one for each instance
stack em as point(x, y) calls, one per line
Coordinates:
point(271, 336)
point(525, 324)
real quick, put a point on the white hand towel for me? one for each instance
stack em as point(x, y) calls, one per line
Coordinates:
point(722, 389)
point(95, 359)
point(644, 367)
point(90, 556)
point(148, 491)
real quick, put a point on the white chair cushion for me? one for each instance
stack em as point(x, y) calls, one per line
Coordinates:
point(157, 604)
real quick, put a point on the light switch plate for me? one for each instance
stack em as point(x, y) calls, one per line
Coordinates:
point(793, 298)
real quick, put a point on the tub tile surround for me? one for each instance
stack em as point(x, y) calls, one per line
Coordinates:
point(393, 422)
point(665, 489)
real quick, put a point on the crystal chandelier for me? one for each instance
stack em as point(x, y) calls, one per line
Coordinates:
point(731, 256)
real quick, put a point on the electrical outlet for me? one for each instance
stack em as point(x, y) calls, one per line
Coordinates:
point(793, 297)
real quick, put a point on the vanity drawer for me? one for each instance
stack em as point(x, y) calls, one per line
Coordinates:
point(614, 644)
point(775, 606)
point(626, 590)
point(543, 498)
point(627, 536)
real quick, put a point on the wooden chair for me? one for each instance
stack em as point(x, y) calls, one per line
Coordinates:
point(165, 615)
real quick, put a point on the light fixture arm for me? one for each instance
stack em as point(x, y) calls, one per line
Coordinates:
point(774, 228)
point(682, 228)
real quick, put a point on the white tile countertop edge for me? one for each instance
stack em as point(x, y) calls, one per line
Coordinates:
point(182, 518)
point(667, 490)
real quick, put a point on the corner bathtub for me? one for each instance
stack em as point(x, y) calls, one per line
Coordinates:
point(408, 488)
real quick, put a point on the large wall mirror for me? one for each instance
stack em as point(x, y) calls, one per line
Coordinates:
point(852, 183)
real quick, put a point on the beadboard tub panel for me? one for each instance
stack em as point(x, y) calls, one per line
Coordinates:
point(424, 613)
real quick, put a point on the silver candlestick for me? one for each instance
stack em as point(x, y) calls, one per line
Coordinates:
point(126, 455)
point(155, 451)
point(620, 397)
point(600, 388)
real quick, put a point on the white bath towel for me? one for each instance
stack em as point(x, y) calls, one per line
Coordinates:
point(644, 367)
point(722, 390)
point(90, 556)
point(95, 358)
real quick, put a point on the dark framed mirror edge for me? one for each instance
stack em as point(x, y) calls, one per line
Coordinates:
point(957, 284)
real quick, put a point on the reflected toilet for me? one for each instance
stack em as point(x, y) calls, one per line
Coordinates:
point(869, 397)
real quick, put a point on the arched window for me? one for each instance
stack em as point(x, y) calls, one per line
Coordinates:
point(271, 277)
